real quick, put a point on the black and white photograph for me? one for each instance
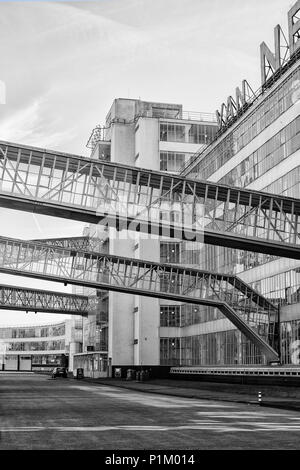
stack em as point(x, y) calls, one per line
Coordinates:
point(149, 229)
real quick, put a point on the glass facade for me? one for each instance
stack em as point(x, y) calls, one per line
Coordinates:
point(282, 288)
point(221, 348)
point(170, 315)
point(181, 315)
point(33, 332)
point(96, 331)
point(231, 347)
point(189, 133)
point(275, 150)
point(192, 314)
point(287, 185)
point(264, 114)
point(44, 346)
point(58, 345)
point(172, 161)
point(290, 342)
point(94, 364)
point(170, 252)
point(46, 359)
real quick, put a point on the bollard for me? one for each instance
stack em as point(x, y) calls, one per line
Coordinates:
point(259, 398)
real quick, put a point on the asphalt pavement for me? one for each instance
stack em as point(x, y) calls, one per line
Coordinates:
point(285, 397)
point(38, 412)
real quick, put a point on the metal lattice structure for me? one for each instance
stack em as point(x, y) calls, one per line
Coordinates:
point(84, 243)
point(131, 198)
point(245, 308)
point(36, 300)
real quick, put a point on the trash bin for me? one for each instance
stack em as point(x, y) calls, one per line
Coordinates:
point(79, 373)
point(118, 372)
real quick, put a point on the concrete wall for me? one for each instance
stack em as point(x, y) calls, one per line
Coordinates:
point(121, 305)
point(134, 321)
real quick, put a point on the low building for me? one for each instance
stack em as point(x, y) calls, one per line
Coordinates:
point(40, 347)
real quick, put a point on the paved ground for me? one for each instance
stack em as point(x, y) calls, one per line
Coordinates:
point(37, 412)
point(287, 397)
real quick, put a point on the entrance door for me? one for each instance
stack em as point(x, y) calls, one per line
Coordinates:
point(11, 362)
point(25, 363)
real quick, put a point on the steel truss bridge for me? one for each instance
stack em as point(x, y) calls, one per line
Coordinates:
point(125, 197)
point(249, 311)
point(33, 300)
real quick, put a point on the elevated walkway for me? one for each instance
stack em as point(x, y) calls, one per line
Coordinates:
point(130, 198)
point(37, 300)
point(249, 311)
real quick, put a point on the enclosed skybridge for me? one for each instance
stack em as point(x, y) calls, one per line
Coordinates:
point(250, 312)
point(36, 300)
point(130, 198)
point(84, 243)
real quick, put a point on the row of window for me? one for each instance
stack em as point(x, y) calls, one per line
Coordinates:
point(172, 161)
point(170, 252)
point(46, 359)
point(228, 260)
point(91, 363)
point(185, 253)
point(29, 332)
point(279, 147)
point(287, 185)
point(290, 342)
point(187, 314)
point(36, 346)
point(189, 133)
point(283, 288)
point(282, 98)
point(227, 348)
point(221, 348)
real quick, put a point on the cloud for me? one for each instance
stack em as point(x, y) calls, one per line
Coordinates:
point(31, 126)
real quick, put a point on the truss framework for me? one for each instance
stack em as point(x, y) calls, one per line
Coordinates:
point(130, 198)
point(84, 243)
point(243, 306)
point(36, 300)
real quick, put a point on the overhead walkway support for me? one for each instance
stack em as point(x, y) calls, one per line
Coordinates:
point(130, 198)
point(37, 300)
point(84, 243)
point(250, 312)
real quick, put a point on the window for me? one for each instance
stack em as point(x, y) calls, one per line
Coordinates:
point(170, 252)
point(192, 133)
point(272, 152)
point(170, 315)
point(268, 110)
point(172, 161)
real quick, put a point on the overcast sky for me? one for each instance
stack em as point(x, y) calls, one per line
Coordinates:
point(63, 63)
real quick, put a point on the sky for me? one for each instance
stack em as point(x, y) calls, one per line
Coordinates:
point(64, 62)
